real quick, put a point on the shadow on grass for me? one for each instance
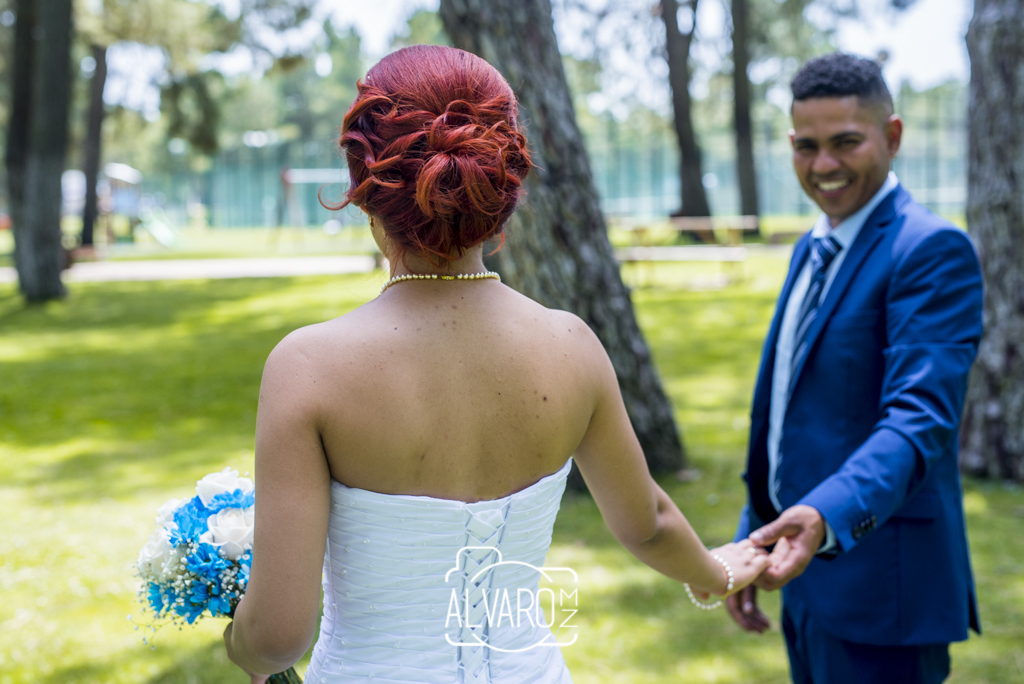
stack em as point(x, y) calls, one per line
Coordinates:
point(692, 333)
point(177, 387)
point(126, 384)
point(91, 672)
point(662, 638)
point(176, 396)
point(209, 665)
point(129, 305)
point(121, 471)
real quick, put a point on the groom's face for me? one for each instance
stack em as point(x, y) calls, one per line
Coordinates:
point(842, 150)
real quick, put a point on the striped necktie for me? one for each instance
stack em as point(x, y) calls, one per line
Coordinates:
point(823, 251)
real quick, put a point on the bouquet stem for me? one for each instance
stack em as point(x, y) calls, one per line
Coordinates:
point(289, 676)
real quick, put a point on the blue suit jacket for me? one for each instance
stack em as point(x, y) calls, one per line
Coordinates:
point(871, 431)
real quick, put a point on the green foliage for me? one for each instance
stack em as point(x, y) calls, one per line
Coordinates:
point(124, 395)
point(289, 101)
point(317, 104)
point(188, 32)
point(292, 98)
point(423, 28)
point(780, 31)
point(192, 112)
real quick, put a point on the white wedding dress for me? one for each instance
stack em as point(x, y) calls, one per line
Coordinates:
point(391, 565)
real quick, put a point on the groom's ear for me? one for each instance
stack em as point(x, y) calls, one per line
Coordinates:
point(893, 130)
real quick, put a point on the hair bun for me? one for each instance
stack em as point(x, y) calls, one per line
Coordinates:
point(433, 149)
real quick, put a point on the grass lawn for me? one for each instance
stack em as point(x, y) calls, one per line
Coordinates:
point(125, 394)
point(194, 243)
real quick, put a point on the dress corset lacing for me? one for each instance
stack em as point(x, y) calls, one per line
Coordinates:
point(391, 567)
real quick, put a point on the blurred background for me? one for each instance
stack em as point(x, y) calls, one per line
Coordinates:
point(164, 165)
point(202, 113)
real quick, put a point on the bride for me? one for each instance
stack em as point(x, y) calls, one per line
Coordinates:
point(440, 416)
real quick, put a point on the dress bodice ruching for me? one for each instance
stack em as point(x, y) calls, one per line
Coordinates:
point(391, 566)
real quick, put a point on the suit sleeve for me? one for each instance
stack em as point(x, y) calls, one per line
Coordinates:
point(933, 327)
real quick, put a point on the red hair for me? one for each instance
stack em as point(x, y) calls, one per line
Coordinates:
point(434, 150)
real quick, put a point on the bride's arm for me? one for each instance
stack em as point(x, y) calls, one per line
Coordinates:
point(636, 509)
point(275, 622)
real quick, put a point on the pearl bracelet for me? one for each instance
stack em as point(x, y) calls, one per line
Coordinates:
point(716, 604)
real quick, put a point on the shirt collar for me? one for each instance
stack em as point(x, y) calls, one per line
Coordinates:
point(848, 229)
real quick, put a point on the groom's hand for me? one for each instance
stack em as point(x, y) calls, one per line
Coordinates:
point(743, 608)
point(797, 535)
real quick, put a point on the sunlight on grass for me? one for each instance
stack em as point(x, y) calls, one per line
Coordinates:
point(975, 503)
point(125, 394)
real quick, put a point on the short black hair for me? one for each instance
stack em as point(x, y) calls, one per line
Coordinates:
point(841, 75)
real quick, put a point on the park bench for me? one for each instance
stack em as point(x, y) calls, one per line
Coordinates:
point(783, 236)
point(712, 229)
point(723, 238)
point(707, 253)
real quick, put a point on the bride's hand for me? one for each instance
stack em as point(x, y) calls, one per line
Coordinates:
point(746, 560)
point(253, 677)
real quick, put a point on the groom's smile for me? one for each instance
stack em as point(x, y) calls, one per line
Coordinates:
point(842, 150)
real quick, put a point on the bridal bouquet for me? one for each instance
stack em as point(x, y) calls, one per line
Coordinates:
point(198, 559)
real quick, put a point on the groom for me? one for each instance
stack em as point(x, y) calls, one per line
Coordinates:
point(852, 465)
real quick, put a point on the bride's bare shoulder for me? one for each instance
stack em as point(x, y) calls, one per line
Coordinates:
point(564, 326)
point(312, 344)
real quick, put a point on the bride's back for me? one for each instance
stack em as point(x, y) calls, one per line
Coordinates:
point(461, 390)
point(456, 389)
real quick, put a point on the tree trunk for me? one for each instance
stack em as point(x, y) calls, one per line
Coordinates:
point(558, 251)
point(746, 172)
point(93, 142)
point(677, 49)
point(39, 134)
point(993, 428)
point(20, 120)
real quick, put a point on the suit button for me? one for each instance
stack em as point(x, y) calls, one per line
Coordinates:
point(858, 532)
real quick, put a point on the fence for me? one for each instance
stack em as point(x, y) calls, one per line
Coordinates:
point(244, 189)
point(637, 175)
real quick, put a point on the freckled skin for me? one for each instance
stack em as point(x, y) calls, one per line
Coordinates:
point(453, 397)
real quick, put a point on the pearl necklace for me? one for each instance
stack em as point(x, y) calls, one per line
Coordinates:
point(435, 276)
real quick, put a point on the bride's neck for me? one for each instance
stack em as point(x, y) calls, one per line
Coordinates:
point(471, 262)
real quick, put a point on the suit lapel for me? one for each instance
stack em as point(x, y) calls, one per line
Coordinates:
point(869, 235)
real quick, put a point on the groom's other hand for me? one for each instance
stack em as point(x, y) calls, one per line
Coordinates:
point(743, 608)
point(797, 535)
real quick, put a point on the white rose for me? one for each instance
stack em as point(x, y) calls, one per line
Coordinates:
point(224, 482)
point(165, 514)
point(154, 555)
point(230, 531)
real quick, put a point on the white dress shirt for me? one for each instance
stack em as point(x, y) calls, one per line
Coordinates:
point(845, 233)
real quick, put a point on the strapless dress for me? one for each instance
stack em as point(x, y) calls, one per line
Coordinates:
point(419, 590)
